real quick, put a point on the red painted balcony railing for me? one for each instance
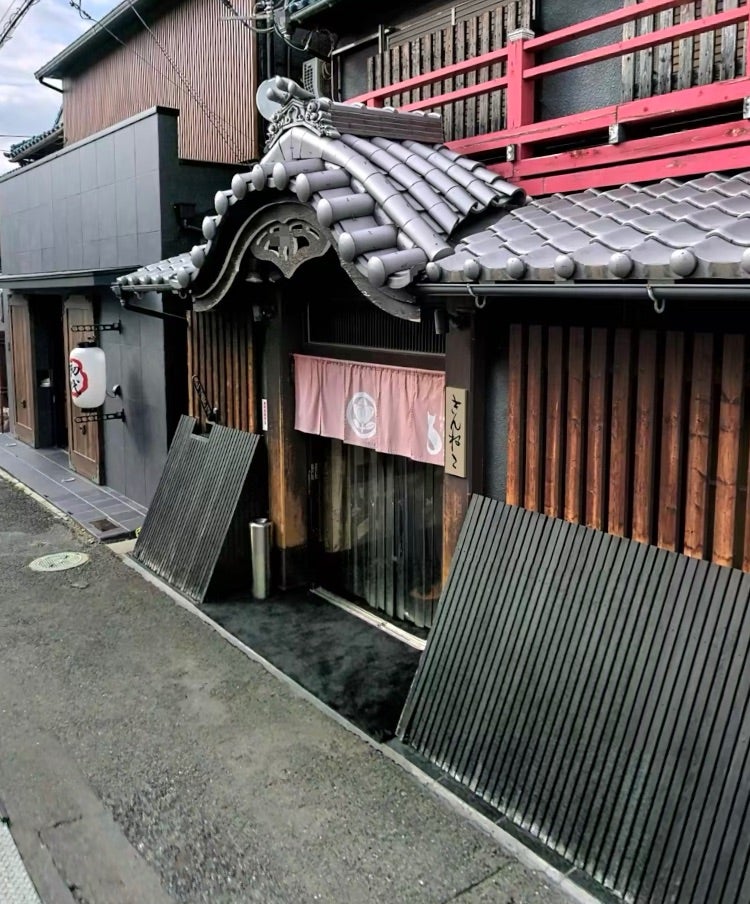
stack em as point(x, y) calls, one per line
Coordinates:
point(683, 152)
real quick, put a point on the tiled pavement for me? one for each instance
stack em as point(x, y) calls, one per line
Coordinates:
point(102, 511)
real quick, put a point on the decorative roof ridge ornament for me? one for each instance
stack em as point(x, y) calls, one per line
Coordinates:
point(286, 105)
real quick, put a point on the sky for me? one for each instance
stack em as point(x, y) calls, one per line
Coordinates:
point(26, 106)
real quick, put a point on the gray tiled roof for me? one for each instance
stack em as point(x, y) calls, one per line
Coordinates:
point(403, 211)
point(697, 228)
point(390, 204)
point(21, 149)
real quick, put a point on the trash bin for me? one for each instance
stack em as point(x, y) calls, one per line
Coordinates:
point(260, 553)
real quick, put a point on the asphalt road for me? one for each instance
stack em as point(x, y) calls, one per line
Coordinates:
point(145, 759)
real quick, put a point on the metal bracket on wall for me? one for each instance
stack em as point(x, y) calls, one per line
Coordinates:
point(96, 327)
point(211, 412)
point(95, 418)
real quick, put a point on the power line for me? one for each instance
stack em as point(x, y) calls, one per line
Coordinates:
point(76, 4)
point(13, 18)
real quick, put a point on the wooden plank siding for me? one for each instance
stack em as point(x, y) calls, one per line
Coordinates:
point(211, 83)
point(643, 434)
point(220, 355)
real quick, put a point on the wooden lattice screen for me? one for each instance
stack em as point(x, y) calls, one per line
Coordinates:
point(637, 433)
point(469, 37)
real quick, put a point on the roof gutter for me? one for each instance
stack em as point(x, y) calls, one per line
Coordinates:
point(59, 65)
point(311, 10)
point(654, 292)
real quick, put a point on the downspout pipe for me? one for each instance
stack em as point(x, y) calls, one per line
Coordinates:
point(40, 79)
point(657, 293)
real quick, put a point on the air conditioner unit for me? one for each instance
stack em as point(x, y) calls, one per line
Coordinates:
point(316, 77)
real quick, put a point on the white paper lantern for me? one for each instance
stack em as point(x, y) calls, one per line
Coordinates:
point(88, 376)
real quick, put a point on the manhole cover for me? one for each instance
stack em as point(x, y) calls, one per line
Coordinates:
point(59, 561)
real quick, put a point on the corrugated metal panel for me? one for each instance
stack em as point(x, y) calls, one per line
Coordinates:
point(193, 510)
point(595, 691)
point(192, 52)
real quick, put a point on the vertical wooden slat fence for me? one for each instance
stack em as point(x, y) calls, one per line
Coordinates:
point(470, 36)
point(686, 63)
point(220, 354)
point(642, 434)
point(171, 65)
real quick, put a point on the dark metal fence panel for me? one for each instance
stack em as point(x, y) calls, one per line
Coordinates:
point(595, 691)
point(192, 511)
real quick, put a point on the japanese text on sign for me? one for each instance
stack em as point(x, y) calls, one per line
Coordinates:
point(455, 431)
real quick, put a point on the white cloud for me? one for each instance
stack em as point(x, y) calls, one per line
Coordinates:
point(26, 106)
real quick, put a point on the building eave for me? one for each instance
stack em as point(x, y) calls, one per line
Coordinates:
point(76, 55)
point(64, 279)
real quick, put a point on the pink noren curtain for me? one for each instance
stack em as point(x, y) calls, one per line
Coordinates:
point(396, 410)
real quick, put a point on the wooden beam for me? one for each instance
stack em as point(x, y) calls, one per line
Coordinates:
point(532, 498)
point(699, 439)
point(596, 445)
point(639, 42)
point(439, 100)
point(643, 476)
point(553, 436)
point(727, 462)
point(726, 159)
point(574, 444)
point(648, 108)
point(709, 137)
point(600, 23)
point(464, 367)
point(428, 78)
point(515, 466)
point(287, 450)
point(618, 509)
point(667, 532)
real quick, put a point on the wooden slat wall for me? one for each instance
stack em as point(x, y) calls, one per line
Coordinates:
point(469, 37)
point(220, 353)
point(638, 433)
point(215, 56)
point(683, 64)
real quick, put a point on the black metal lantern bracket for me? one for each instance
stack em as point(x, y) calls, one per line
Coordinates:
point(95, 417)
point(97, 327)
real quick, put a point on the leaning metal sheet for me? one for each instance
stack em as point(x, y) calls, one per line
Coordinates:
point(15, 885)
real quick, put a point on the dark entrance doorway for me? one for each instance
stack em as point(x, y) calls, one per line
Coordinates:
point(50, 372)
point(377, 529)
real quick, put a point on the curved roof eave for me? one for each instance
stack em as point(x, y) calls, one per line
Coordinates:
point(389, 203)
point(403, 210)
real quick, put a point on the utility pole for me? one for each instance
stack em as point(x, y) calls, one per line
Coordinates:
point(14, 17)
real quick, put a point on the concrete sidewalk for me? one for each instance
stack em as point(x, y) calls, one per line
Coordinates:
point(143, 758)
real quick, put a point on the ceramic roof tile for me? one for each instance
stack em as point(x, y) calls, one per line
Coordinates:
point(737, 231)
point(393, 205)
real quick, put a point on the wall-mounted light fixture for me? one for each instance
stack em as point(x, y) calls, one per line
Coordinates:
point(87, 366)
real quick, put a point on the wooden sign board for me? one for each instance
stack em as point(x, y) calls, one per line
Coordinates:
point(456, 431)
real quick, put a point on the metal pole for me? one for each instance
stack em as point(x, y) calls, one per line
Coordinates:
point(260, 553)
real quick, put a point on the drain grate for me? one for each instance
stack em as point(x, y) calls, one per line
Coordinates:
point(104, 524)
point(59, 561)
